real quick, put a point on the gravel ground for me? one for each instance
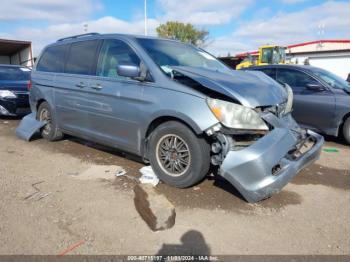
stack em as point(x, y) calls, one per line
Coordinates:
point(51, 199)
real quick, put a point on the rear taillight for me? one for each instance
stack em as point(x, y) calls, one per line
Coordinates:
point(29, 85)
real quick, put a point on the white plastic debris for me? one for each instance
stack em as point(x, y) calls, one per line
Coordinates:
point(148, 176)
point(120, 172)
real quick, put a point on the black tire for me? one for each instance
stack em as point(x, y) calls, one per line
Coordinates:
point(346, 130)
point(198, 155)
point(49, 131)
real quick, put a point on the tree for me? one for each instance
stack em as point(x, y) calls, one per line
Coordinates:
point(186, 33)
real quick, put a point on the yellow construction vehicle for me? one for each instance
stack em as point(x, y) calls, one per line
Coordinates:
point(268, 54)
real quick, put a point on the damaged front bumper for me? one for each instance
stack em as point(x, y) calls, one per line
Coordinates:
point(267, 165)
point(15, 106)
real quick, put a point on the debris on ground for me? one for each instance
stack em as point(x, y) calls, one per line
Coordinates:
point(331, 150)
point(120, 172)
point(154, 208)
point(43, 196)
point(100, 172)
point(148, 176)
point(61, 254)
point(37, 190)
point(37, 194)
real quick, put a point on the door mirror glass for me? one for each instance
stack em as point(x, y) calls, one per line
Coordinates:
point(129, 70)
point(315, 86)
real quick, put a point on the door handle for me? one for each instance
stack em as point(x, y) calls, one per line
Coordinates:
point(81, 85)
point(96, 87)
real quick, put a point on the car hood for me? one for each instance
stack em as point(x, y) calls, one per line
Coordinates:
point(250, 88)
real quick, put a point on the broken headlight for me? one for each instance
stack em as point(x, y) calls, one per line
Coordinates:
point(236, 116)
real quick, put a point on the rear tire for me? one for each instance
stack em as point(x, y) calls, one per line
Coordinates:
point(346, 130)
point(49, 131)
point(178, 157)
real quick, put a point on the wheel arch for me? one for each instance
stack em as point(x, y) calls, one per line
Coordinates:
point(160, 119)
point(340, 126)
point(39, 102)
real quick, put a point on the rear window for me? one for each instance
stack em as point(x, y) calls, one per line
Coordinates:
point(81, 59)
point(52, 60)
point(14, 73)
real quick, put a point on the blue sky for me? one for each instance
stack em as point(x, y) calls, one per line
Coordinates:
point(234, 25)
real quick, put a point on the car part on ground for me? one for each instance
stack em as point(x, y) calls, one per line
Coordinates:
point(266, 163)
point(28, 127)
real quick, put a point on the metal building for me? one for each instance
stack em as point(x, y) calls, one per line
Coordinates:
point(332, 55)
point(16, 52)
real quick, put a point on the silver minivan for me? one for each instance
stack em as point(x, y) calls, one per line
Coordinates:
point(176, 106)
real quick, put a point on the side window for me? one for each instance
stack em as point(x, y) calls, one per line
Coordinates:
point(294, 78)
point(114, 52)
point(270, 72)
point(52, 60)
point(81, 58)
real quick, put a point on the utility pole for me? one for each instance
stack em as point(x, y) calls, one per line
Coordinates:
point(321, 32)
point(145, 17)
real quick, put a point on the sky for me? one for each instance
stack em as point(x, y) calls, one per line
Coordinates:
point(234, 26)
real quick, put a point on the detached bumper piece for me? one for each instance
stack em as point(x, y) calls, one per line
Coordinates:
point(265, 167)
point(28, 127)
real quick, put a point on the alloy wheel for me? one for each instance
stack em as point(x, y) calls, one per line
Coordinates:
point(173, 155)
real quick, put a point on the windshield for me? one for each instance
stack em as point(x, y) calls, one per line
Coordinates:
point(266, 55)
point(279, 55)
point(273, 55)
point(331, 79)
point(167, 53)
point(14, 73)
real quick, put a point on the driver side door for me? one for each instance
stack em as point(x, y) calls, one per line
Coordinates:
point(116, 101)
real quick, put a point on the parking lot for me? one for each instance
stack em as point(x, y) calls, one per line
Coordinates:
point(47, 205)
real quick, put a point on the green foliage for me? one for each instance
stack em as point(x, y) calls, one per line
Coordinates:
point(186, 33)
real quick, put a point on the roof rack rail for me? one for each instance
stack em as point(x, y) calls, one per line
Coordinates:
point(76, 36)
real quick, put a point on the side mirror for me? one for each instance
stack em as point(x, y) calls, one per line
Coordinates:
point(314, 86)
point(129, 70)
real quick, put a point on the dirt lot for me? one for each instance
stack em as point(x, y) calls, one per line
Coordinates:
point(310, 216)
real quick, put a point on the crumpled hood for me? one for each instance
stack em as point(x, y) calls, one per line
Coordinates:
point(250, 88)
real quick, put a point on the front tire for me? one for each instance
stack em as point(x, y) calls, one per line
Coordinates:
point(178, 157)
point(346, 130)
point(49, 131)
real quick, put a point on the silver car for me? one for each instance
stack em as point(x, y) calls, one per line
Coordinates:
point(176, 106)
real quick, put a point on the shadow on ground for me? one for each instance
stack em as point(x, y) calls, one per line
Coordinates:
point(320, 175)
point(95, 153)
point(217, 193)
point(192, 243)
